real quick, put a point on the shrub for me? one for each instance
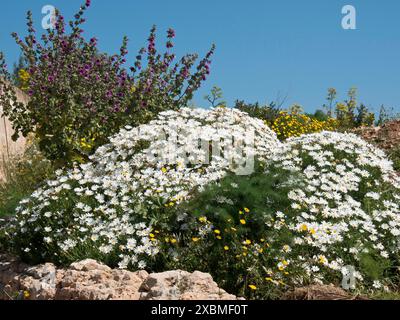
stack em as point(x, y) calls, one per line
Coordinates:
point(268, 113)
point(80, 96)
point(313, 206)
point(326, 202)
point(288, 125)
point(394, 155)
point(135, 180)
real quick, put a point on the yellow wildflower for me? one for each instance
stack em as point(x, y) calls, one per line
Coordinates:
point(203, 219)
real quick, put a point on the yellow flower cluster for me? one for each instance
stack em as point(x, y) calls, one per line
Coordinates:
point(288, 125)
point(24, 76)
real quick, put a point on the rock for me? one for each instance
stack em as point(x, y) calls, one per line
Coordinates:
point(90, 280)
point(182, 285)
point(89, 265)
point(99, 282)
point(386, 137)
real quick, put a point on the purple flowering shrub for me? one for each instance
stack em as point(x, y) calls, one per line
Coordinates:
point(80, 96)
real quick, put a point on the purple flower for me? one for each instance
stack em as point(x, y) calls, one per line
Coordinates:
point(171, 33)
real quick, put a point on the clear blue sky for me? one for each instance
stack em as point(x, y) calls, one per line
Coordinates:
point(265, 48)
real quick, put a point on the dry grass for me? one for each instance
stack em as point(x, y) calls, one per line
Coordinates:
point(321, 292)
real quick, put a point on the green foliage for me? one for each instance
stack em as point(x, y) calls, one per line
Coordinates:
point(332, 93)
point(21, 65)
point(267, 113)
point(319, 115)
point(215, 97)
point(227, 239)
point(348, 113)
point(386, 114)
point(394, 155)
point(80, 96)
point(23, 175)
point(373, 265)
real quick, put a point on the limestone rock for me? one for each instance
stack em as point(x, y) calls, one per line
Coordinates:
point(90, 280)
point(182, 285)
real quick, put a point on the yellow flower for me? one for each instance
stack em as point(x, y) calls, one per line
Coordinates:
point(322, 260)
point(26, 294)
point(247, 241)
point(246, 210)
point(216, 231)
point(303, 227)
point(173, 241)
point(312, 231)
point(226, 248)
point(241, 212)
point(164, 170)
point(219, 237)
point(252, 287)
point(203, 219)
point(194, 239)
point(242, 221)
point(151, 235)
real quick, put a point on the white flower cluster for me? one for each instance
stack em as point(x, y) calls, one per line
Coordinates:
point(347, 206)
point(185, 149)
point(95, 205)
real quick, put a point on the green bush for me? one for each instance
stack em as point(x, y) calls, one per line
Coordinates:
point(326, 202)
point(268, 113)
point(394, 155)
point(227, 239)
point(80, 96)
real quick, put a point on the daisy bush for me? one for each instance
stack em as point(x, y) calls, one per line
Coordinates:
point(110, 208)
point(215, 190)
point(326, 207)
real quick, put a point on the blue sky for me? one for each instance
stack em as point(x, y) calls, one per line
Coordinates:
point(266, 49)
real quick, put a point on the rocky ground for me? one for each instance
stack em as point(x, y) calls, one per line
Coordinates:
point(90, 280)
point(386, 137)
